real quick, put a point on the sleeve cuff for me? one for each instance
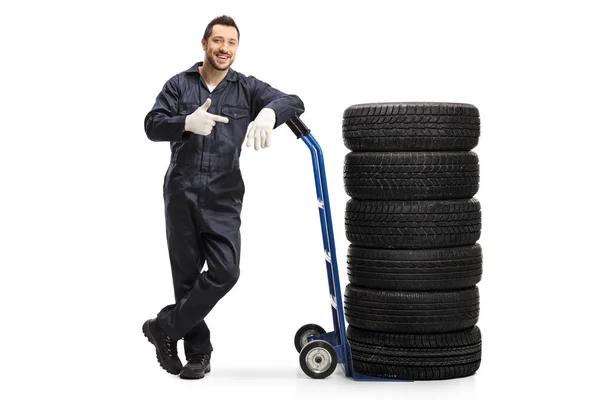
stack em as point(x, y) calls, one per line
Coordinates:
point(183, 135)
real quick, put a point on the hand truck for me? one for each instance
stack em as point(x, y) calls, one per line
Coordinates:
point(321, 351)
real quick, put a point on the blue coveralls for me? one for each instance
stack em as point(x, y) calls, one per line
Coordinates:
point(203, 191)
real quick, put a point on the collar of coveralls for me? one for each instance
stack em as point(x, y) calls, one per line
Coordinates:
point(231, 76)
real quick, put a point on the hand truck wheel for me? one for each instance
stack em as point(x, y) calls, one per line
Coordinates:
point(318, 359)
point(303, 333)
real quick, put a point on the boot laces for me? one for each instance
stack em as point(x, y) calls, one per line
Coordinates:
point(200, 359)
point(170, 345)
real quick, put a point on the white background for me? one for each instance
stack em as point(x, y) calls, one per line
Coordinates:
point(84, 259)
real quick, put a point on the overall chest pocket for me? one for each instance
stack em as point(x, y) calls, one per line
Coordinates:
point(186, 108)
point(239, 118)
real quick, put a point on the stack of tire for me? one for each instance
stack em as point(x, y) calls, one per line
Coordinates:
point(413, 263)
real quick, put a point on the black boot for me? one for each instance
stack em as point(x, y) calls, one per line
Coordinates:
point(196, 367)
point(166, 348)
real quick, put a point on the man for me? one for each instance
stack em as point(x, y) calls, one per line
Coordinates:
point(205, 112)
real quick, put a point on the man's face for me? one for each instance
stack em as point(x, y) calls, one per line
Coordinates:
point(221, 47)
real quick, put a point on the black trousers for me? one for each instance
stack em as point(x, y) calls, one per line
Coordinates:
point(202, 214)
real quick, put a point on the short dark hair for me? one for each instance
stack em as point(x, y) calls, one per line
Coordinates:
point(222, 20)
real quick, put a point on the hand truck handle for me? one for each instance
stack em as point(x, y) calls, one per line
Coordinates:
point(298, 127)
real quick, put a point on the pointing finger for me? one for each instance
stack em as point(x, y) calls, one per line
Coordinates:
point(218, 118)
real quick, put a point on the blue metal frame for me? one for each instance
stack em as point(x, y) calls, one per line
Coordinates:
point(337, 338)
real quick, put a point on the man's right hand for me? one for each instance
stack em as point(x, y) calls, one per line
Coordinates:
point(201, 121)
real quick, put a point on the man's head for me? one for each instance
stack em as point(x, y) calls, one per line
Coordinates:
point(220, 42)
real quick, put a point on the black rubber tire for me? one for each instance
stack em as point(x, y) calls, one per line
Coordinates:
point(308, 329)
point(327, 349)
point(415, 270)
point(411, 127)
point(413, 224)
point(411, 176)
point(418, 357)
point(411, 312)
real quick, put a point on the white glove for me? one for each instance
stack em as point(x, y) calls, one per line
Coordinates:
point(201, 122)
point(261, 130)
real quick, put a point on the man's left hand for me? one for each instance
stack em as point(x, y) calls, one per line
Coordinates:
point(262, 129)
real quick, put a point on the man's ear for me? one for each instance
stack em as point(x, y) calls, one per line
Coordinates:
point(203, 44)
